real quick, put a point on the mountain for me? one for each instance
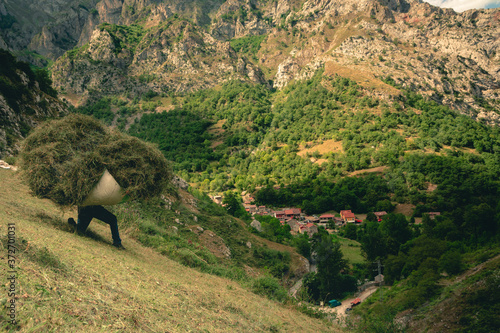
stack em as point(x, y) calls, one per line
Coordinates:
point(327, 105)
point(174, 46)
point(467, 302)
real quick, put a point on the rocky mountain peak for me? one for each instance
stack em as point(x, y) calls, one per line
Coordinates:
point(450, 57)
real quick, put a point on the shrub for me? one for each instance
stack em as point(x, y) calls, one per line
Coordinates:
point(270, 287)
point(451, 262)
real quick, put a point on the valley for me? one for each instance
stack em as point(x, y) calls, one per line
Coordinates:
point(388, 110)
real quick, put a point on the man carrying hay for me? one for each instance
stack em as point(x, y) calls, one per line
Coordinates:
point(77, 161)
point(106, 192)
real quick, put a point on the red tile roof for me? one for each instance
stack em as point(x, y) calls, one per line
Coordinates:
point(293, 211)
point(349, 214)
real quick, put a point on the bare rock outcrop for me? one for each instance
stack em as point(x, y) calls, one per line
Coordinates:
point(183, 45)
point(179, 55)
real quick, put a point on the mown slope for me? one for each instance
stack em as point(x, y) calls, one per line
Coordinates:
point(67, 282)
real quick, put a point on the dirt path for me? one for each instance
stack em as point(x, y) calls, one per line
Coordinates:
point(293, 291)
point(340, 310)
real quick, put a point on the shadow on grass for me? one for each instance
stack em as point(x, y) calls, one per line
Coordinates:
point(42, 256)
point(58, 223)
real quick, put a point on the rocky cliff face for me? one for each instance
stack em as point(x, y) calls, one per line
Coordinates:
point(48, 28)
point(42, 29)
point(174, 56)
point(25, 100)
point(451, 57)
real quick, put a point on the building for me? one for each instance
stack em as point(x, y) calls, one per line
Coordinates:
point(348, 216)
point(379, 215)
point(310, 228)
point(326, 218)
point(217, 199)
point(280, 214)
point(338, 221)
point(293, 213)
point(294, 225)
point(252, 209)
point(432, 215)
point(312, 219)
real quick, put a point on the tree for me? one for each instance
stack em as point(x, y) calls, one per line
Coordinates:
point(231, 202)
point(350, 231)
point(451, 262)
point(480, 221)
point(396, 231)
point(45, 82)
point(302, 244)
point(273, 230)
point(422, 248)
point(373, 241)
point(393, 267)
point(330, 280)
point(371, 217)
point(384, 205)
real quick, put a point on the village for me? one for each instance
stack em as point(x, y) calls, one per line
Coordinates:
point(301, 223)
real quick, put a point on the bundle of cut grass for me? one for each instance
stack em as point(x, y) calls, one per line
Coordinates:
point(64, 159)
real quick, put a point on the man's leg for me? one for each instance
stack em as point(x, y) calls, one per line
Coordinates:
point(85, 215)
point(101, 213)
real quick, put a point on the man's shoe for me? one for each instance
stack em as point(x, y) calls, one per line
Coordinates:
point(71, 222)
point(119, 246)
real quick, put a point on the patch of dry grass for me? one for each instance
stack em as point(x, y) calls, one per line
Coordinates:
point(72, 283)
point(362, 76)
point(379, 169)
point(327, 146)
point(217, 131)
point(405, 209)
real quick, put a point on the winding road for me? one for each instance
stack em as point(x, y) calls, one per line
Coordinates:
point(340, 310)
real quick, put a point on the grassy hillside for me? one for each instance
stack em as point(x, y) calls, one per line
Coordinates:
point(67, 282)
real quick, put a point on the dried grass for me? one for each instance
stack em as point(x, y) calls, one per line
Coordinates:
point(63, 160)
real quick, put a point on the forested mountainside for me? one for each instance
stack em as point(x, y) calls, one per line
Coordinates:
point(175, 46)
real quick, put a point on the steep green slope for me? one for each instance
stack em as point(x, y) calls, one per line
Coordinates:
point(65, 282)
point(191, 229)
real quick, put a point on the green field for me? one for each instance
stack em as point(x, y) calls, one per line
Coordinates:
point(351, 250)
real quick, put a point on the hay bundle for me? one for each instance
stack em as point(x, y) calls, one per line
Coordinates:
point(64, 159)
